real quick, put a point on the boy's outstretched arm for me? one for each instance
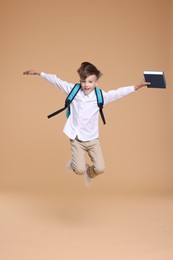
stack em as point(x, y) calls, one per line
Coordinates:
point(31, 72)
point(142, 84)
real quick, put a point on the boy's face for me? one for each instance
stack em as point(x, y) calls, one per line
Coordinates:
point(89, 84)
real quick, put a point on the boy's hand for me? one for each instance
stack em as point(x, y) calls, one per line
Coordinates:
point(142, 84)
point(31, 72)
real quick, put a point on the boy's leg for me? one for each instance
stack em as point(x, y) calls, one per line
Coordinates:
point(78, 156)
point(95, 152)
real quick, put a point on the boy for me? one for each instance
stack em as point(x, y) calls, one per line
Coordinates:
point(82, 124)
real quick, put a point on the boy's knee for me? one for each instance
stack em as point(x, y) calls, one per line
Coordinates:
point(94, 171)
point(79, 170)
point(99, 169)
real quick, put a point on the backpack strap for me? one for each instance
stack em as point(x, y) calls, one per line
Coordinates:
point(68, 100)
point(100, 103)
point(71, 96)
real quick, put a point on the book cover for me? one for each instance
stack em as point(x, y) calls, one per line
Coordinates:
point(156, 78)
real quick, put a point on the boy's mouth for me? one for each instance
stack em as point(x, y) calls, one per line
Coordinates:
point(86, 89)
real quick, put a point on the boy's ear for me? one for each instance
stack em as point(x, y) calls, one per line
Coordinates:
point(97, 82)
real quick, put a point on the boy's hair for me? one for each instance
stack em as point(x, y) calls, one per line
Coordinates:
point(87, 69)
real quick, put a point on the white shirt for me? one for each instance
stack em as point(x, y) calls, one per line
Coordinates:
point(84, 111)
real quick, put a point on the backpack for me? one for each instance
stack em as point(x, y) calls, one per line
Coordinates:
point(71, 96)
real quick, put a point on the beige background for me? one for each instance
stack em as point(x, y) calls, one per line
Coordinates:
point(46, 213)
point(122, 39)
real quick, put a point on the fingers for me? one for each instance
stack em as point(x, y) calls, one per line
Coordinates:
point(144, 83)
point(147, 83)
point(30, 72)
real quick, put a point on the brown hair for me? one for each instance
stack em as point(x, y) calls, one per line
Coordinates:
point(87, 69)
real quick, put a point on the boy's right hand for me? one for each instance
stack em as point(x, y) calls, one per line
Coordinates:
point(31, 72)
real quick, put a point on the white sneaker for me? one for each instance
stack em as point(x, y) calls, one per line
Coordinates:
point(86, 178)
point(68, 166)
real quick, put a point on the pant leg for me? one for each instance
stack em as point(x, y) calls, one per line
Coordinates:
point(78, 156)
point(95, 152)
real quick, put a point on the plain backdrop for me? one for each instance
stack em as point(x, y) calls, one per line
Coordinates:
point(45, 212)
point(122, 38)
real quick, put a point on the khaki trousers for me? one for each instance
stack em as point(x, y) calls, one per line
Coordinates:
point(79, 150)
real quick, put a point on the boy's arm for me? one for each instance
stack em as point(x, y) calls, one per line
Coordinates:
point(142, 84)
point(53, 79)
point(113, 95)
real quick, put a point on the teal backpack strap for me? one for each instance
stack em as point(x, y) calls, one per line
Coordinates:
point(100, 103)
point(68, 100)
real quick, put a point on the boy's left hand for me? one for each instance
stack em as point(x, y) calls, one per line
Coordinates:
point(142, 84)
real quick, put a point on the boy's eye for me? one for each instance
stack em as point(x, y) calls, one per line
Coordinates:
point(84, 81)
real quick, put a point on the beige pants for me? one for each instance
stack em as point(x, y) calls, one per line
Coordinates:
point(79, 149)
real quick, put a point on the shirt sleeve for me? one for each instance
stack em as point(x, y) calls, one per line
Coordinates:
point(113, 95)
point(57, 82)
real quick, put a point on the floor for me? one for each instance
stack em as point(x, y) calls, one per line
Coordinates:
point(51, 226)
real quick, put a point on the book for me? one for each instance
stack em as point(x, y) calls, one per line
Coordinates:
point(156, 78)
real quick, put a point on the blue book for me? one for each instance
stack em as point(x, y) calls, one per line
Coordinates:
point(156, 78)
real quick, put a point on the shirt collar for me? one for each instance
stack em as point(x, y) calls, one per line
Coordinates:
point(90, 95)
